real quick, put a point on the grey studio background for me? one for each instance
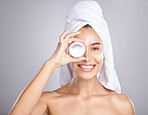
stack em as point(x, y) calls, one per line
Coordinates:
point(29, 33)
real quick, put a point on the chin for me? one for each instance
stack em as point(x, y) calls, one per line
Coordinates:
point(86, 76)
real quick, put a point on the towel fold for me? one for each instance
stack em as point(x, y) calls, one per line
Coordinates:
point(89, 12)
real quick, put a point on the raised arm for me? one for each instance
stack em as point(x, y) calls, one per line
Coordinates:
point(33, 91)
point(32, 97)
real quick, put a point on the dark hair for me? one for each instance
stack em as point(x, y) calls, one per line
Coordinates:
point(87, 26)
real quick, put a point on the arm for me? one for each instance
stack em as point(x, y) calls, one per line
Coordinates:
point(41, 108)
point(32, 100)
point(33, 91)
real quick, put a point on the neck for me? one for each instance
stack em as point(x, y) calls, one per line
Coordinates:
point(85, 87)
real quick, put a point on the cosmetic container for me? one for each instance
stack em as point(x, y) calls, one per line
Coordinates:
point(76, 49)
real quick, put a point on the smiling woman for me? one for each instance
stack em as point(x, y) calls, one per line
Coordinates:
point(89, 83)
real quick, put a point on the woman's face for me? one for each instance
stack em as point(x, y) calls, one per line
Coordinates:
point(89, 68)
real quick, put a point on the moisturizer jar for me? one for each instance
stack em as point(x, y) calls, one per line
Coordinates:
point(76, 49)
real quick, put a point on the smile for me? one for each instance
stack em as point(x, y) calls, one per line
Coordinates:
point(86, 67)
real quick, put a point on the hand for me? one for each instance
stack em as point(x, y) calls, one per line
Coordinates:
point(60, 56)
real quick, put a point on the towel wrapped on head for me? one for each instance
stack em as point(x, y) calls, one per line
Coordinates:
point(89, 12)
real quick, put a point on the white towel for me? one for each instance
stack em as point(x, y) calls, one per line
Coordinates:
point(89, 12)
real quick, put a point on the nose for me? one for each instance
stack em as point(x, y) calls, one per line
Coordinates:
point(87, 55)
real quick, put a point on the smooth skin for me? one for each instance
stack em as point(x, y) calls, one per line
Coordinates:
point(83, 95)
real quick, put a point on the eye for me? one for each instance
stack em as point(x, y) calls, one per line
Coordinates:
point(95, 48)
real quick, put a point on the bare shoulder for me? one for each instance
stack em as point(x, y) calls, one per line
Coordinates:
point(123, 104)
point(46, 98)
point(42, 105)
point(48, 95)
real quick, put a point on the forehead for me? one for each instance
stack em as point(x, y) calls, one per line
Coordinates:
point(88, 33)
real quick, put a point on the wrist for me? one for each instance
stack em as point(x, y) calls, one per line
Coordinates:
point(50, 62)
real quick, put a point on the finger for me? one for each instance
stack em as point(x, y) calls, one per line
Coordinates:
point(77, 59)
point(75, 40)
point(72, 34)
point(63, 34)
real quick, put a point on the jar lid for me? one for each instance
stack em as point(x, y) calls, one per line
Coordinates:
point(76, 49)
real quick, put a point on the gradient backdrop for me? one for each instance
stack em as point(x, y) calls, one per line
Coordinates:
point(29, 33)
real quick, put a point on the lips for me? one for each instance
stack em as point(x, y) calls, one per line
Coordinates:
point(86, 67)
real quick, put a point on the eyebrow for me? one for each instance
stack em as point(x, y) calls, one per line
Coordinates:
point(97, 43)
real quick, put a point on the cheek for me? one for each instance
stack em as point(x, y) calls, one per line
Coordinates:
point(99, 57)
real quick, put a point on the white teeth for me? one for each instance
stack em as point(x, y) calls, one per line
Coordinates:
point(87, 67)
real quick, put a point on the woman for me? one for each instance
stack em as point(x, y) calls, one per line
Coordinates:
point(90, 84)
